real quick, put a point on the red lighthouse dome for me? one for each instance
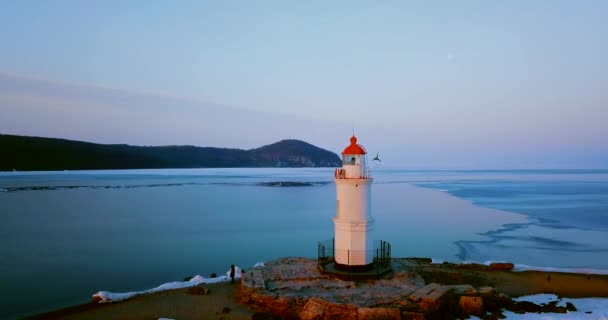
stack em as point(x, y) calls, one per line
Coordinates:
point(354, 148)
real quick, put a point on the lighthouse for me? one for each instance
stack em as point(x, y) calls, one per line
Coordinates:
point(353, 223)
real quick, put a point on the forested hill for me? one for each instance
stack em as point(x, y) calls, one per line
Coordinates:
point(34, 153)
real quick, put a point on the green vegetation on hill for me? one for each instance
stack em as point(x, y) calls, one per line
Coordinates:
point(34, 153)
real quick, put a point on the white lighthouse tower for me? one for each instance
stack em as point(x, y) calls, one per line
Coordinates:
point(353, 245)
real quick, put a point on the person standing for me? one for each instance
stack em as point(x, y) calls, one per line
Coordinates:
point(232, 272)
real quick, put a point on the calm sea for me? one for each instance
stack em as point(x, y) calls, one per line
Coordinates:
point(67, 235)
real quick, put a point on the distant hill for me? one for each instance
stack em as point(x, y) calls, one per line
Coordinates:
point(34, 153)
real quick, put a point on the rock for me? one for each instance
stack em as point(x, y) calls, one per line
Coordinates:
point(463, 289)
point(264, 316)
point(426, 292)
point(471, 305)
point(406, 315)
point(505, 299)
point(472, 266)
point(449, 276)
point(429, 297)
point(486, 291)
point(393, 314)
point(295, 288)
point(258, 280)
point(378, 313)
point(281, 305)
point(553, 308)
point(524, 307)
point(314, 309)
point(339, 312)
point(422, 260)
point(493, 301)
point(253, 280)
point(502, 266)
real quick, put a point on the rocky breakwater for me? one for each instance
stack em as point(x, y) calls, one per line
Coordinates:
point(294, 288)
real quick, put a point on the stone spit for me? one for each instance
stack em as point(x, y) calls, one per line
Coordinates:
point(295, 288)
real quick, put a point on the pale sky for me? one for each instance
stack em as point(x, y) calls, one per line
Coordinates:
point(438, 84)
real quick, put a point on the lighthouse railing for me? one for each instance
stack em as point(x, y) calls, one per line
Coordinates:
point(383, 253)
point(341, 173)
point(351, 264)
point(325, 252)
point(380, 254)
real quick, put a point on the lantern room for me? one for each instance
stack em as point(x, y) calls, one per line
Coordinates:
point(354, 162)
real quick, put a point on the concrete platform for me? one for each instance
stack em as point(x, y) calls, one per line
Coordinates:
point(375, 272)
point(288, 283)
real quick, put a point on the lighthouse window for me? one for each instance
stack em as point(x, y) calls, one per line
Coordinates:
point(349, 159)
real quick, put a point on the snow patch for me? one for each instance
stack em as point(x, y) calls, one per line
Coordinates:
point(525, 267)
point(489, 262)
point(106, 296)
point(541, 298)
point(486, 263)
point(598, 308)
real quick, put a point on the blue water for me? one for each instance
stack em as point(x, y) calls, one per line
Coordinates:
point(67, 235)
point(567, 211)
point(556, 203)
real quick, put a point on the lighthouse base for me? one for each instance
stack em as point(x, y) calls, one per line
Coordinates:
point(353, 245)
point(380, 265)
point(352, 268)
point(375, 271)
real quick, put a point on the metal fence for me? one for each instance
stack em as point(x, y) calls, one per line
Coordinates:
point(326, 253)
point(340, 173)
point(383, 253)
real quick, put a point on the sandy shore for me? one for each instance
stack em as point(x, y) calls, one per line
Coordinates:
point(515, 284)
point(222, 301)
point(563, 284)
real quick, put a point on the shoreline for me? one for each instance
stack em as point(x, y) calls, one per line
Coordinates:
point(550, 236)
point(183, 303)
point(193, 302)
